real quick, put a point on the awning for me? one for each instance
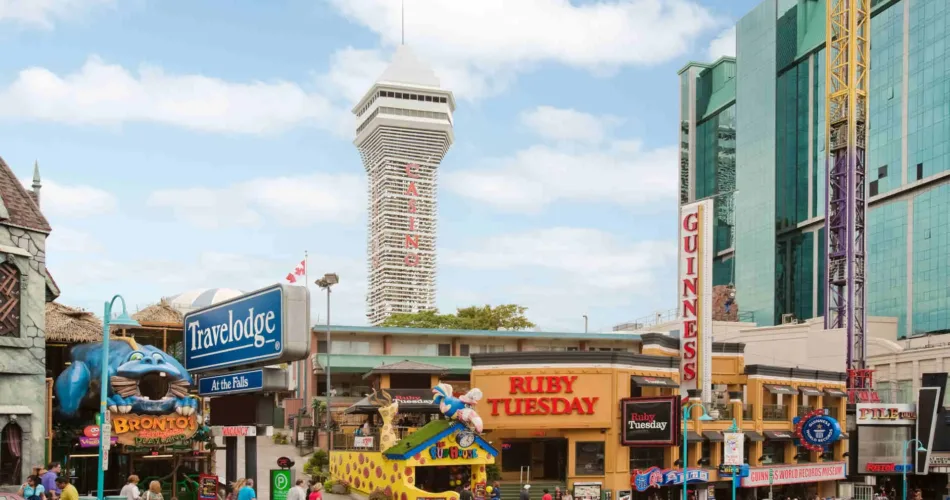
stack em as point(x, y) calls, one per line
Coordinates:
point(410, 401)
point(836, 393)
point(714, 436)
point(754, 436)
point(693, 437)
point(779, 435)
point(781, 389)
point(654, 382)
point(810, 391)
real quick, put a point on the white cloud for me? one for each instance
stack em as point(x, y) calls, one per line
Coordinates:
point(68, 240)
point(290, 201)
point(107, 94)
point(490, 34)
point(723, 45)
point(74, 201)
point(619, 172)
point(44, 13)
point(568, 124)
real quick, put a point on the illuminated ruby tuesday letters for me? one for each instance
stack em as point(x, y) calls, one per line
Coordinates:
point(547, 395)
point(412, 240)
point(690, 281)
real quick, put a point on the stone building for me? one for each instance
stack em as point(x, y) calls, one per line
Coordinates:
point(25, 288)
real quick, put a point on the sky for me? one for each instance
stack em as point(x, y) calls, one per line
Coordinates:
point(191, 144)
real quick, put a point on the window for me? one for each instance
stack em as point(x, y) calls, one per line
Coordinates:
point(464, 350)
point(348, 347)
point(872, 188)
point(9, 300)
point(885, 391)
point(644, 458)
point(706, 454)
point(321, 346)
point(773, 452)
point(11, 446)
point(920, 171)
point(400, 349)
point(515, 455)
point(905, 391)
point(804, 455)
point(882, 172)
point(589, 458)
point(445, 349)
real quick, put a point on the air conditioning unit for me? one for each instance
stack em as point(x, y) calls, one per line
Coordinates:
point(789, 319)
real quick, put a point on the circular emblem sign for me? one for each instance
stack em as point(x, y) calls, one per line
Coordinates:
point(91, 431)
point(285, 463)
point(817, 430)
point(465, 439)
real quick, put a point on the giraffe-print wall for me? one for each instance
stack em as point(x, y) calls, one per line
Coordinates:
point(367, 471)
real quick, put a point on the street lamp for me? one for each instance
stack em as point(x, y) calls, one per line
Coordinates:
point(585, 323)
point(123, 320)
point(326, 282)
point(705, 418)
point(920, 447)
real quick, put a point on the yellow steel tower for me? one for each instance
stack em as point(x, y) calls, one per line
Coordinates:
point(848, 60)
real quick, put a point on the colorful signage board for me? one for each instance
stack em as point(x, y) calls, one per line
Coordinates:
point(694, 296)
point(655, 477)
point(93, 442)
point(543, 395)
point(362, 441)
point(650, 421)
point(281, 480)
point(154, 430)
point(886, 468)
point(268, 326)
point(733, 448)
point(207, 487)
point(816, 430)
point(886, 414)
point(793, 474)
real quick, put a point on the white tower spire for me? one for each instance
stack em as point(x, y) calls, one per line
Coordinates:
point(404, 129)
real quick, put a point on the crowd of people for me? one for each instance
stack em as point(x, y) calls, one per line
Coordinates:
point(48, 484)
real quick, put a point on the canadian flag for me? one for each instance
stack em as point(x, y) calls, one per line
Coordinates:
point(299, 272)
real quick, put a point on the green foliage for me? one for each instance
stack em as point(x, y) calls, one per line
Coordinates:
point(379, 494)
point(317, 464)
point(281, 438)
point(503, 317)
point(493, 472)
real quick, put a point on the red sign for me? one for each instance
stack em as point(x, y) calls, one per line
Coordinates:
point(207, 487)
point(238, 431)
point(412, 241)
point(793, 474)
point(91, 431)
point(885, 468)
point(690, 296)
point(543, 405)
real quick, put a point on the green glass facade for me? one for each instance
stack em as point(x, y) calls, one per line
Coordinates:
point(779, 160)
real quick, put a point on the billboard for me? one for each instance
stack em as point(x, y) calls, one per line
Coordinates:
point(694, 297)
point(267, 326)
point(650, 421)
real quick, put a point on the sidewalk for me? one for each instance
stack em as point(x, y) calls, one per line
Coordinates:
point(267, 455)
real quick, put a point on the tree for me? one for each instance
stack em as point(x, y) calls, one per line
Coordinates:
point(503, 317)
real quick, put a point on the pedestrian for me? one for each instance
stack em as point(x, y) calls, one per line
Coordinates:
point(32, 489)
point(154, 491)
point(546, 495)
point(567, 495)
point(68, 491)
point(235, 488)
point(495, 491)
point(557, 493)
point(131, 489)
point(297, 492)
point(247, 491)
point(525, 492)
point(49, 478)
point(317, 493)
point(466, 493)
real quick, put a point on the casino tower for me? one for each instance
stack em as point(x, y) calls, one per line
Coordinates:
point(404, 129)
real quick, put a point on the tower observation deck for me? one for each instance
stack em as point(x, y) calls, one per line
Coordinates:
point(404, 129)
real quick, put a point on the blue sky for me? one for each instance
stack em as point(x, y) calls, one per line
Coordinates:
point(196, 144)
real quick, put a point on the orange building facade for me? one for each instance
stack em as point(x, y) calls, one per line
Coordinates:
point(556, 419)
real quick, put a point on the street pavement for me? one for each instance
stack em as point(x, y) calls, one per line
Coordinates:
point(267, 455)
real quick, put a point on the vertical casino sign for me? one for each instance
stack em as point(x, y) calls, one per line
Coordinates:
point(695, 297)
point(412, 195)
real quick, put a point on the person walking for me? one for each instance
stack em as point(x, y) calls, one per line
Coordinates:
point(131, 489)
point(235, 488)
point(33, 489)
point(68, 491)
point(495, 491)
point(247, 491)
point(525, 492)
point(154, 491)
point(546, 495)
point(49, 478)
point(297, 492)
point(317, 493)
point(466, 493)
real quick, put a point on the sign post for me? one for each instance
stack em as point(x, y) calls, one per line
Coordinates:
point(771, 480)
point(281, 480)
point(733, 450)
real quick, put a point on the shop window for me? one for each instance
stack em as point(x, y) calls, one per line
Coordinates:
point(885, 391)
point(515, 455)
point(589, 458)
point(773, 452)
point(445, 349)
point(706, 457)
point(804, 455)
point(9, 300)
point(464, 350)
point(644, 458)
point(905, 391)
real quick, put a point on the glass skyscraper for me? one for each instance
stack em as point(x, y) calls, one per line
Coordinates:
point(752, 136)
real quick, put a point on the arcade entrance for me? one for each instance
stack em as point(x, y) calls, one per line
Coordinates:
point(534, 459)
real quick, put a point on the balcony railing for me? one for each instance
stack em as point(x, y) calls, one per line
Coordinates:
point(774, 413)
point(747, 412)
point(346, 441)
point(804, 410)
point(720, 411)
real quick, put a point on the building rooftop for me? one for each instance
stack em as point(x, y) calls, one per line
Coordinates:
point(406, 68)
point(517, 334)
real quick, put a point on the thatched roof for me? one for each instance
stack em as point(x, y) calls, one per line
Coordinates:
point(162, 312)
point(71, 325)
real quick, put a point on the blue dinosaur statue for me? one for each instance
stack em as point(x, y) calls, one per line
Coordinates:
point(129, 364)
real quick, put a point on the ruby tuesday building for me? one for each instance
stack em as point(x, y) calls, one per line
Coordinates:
point(606, 420)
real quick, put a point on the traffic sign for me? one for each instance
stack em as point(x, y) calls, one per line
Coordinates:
point(264, 327)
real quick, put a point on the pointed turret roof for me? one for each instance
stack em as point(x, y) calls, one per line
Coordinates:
point(20, 208)
point(406, 68)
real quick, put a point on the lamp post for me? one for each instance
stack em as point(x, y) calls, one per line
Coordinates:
point(107, 320)
point(705, 418)
point(585, 323)
point(920, 447)
point(326, 282)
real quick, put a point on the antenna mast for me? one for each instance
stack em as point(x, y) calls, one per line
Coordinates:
point(403, 22)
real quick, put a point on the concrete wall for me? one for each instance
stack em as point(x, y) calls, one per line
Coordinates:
point(23, 357)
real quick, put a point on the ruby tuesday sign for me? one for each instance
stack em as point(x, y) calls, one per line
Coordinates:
point(650, 421)
point(543, 395)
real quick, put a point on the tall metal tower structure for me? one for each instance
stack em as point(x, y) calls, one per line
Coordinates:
point(404, 129)
point(847, 83)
